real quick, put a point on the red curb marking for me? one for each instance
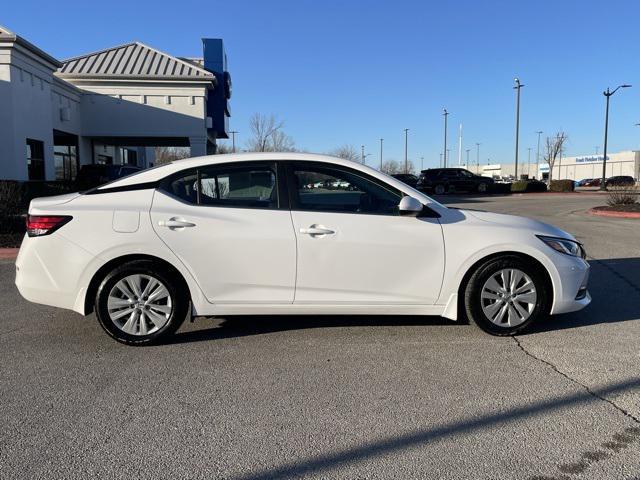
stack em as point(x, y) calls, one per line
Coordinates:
point(612, 213)
point(8, 253)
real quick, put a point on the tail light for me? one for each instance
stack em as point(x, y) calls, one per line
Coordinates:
point(39, 225)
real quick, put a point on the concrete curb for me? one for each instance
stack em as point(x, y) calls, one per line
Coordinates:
point(610, 213)
point(8, 253)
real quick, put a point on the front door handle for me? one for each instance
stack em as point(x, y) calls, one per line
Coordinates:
point(175, 223)
point(316, 230)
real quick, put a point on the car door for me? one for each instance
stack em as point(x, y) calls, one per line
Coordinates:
point(353, 246)
point(231, 228)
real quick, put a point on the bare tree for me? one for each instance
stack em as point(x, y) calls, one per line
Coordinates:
point(553, 147)
point(348, 152)
point(222, 148)
point(169, 154)
point(267, 135)
point(392, 167)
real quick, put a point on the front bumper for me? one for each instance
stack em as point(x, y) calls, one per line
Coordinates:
point(571, 294)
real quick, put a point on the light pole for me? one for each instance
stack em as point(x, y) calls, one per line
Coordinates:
point(440, 163)
point(529, 162)
point(467, 164)
point(381, 140)
point(445, 114)
point(539, 132)
point(517, 87)
point(478, 158)
point(362, 154)
point(607, 94)
point(421, 163)
point(597, 148)
point(406, 160)
point(233, 140)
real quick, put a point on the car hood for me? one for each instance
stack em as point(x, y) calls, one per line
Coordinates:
point(520, 223)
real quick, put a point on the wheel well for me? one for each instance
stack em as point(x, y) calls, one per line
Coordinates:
point(92, 290)
point(475, 266)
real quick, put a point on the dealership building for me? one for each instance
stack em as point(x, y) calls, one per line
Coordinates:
point(113, 106)
point(574, 168)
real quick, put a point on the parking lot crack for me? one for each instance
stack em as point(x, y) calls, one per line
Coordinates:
point(574, 381)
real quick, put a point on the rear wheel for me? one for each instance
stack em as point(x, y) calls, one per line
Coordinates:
point(482, 188)
point(140, 303)
point(439, 189)
point(506, 295)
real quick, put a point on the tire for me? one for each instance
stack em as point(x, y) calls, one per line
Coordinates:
point(133, 308)
point(439, 189)
point(508, 310)
point(483, 188)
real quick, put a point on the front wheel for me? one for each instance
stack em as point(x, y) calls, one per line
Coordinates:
point(439, 189)
point(482, 187)
point(140, 303)
point(506, 295)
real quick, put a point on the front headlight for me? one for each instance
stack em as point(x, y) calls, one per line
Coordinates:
point(564, 245)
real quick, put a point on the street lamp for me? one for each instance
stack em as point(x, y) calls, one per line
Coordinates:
point(421, 163)
point(517, 87)
point(539, 132)
point(467, 164)
point(406, 161)
point(381, 140)
point(478, 158)
point(607, 94)
point(445, 114)
point(529, 162)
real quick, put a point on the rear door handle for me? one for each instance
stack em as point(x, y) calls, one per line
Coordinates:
point(175, 223)
point(316, 230)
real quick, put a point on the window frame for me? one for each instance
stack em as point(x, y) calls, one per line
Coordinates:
point(30, 143)
point(272, 165)
point(291, 165)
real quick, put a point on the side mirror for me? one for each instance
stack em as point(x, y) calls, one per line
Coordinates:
point(410, 206)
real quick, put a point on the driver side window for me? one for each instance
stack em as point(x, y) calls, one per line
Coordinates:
point(333, 189)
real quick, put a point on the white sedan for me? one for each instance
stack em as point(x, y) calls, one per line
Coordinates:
point(241, 235)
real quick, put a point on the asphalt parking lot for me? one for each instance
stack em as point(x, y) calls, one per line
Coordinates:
point(337, 397)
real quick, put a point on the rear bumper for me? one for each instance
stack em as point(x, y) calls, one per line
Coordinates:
point(48, 270)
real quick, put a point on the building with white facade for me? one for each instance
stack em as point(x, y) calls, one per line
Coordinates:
point(112, 106)
point(574, 167)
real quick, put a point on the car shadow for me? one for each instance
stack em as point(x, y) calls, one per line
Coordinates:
point(614, 286)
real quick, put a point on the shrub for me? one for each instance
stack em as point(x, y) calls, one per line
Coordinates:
point(561, 186)
point(10, 206)
point(622, 195)
point(528, 186)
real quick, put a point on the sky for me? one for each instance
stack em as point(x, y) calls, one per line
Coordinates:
point(354, 71)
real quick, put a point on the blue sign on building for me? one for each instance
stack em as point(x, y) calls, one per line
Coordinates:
point(218, 108)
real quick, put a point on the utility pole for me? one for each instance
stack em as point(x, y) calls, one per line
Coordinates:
point(460, 145)
point(406, 160)
point(607, 93)
point(539, 132)
point(529, 162)
point(517, 87)
point(478, 158)
point(362, 155)
point(467, 150)
point(381, 140)
point(421, 163)
point(440, 162)
point(444, 152)
point(233, 140)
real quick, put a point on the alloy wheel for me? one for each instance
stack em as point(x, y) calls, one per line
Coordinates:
point(508, 297)
point(139, 304)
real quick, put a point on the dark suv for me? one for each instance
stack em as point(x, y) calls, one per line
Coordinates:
point(443, 180)
point(620, 181)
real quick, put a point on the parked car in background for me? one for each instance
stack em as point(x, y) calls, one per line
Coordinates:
point(443, 180)
point(408, 178)
point(94, 175)
point(583, 182)
point(241, 235)
point(591, 182)
point(620, 181)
